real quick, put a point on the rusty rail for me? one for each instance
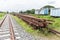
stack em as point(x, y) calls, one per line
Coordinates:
point(11, 30)
point(53, 31)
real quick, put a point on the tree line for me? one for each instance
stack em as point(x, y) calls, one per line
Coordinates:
point(32, 11)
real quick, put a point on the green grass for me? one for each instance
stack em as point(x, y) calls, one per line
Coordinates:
point(1, 15)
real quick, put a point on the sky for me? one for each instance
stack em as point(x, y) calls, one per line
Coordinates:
point(18, 5)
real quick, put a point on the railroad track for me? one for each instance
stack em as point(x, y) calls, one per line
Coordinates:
point(8, 32)
point(37, 23)
point(12, 35)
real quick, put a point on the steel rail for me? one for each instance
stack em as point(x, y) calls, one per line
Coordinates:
point(12, 35)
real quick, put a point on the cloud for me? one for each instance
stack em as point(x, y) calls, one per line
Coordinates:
point(52, 2)
point(17, 5)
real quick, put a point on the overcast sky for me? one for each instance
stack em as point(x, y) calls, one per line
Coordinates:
point(18, 5)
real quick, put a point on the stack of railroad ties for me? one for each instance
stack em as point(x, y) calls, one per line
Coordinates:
point(37, 23)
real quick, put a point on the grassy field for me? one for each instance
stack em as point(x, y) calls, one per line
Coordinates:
point(37, 33)
point(1, 15)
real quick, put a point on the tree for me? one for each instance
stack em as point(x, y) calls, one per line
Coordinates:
point(32, 11)
point(7, 12)
point(21, 12)
point(28, 11)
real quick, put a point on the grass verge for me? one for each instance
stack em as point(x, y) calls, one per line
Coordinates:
point(1, 15)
